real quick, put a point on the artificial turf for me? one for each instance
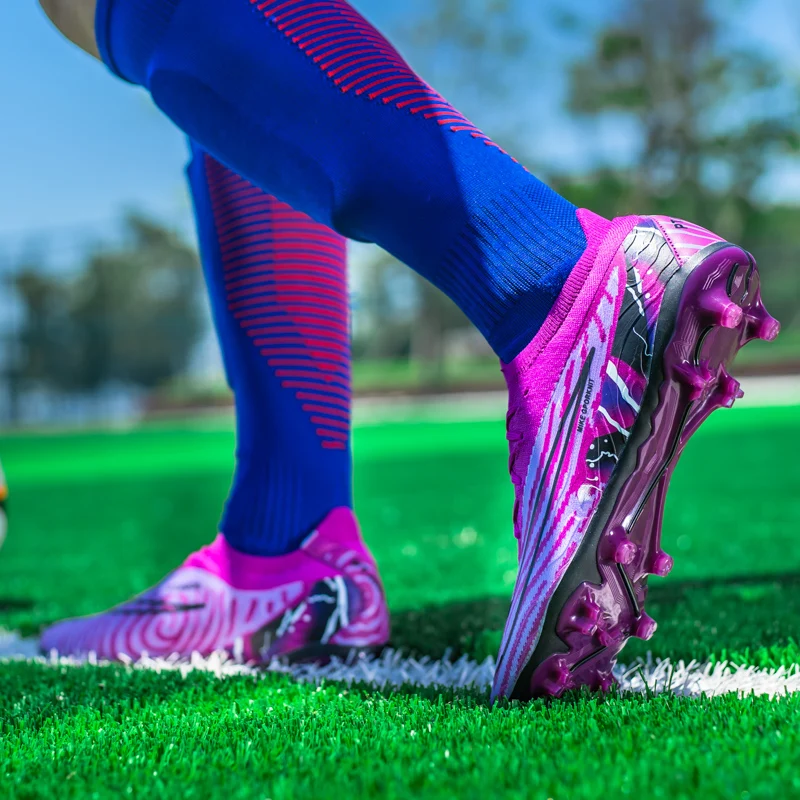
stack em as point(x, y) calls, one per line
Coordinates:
point(96, 517)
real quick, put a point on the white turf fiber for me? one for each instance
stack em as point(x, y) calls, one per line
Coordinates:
point(393, 669)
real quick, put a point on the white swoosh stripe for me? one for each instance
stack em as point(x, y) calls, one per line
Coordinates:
point(611, 369)
point(619, 427)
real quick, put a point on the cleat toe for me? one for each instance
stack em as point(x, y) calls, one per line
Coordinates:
point(645, 627)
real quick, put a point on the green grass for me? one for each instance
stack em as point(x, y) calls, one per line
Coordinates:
point(97, 517)
point(108, 733)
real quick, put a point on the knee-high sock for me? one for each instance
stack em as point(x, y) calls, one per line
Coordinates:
point(309, 101)
point(278, 288)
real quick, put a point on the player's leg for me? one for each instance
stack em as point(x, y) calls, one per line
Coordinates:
point(75, 19)
point(615, 334)
point(289, 574)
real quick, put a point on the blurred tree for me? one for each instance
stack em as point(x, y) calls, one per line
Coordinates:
point(131, 315)
point(713, 114)
point(387, 307)
point(473, 50)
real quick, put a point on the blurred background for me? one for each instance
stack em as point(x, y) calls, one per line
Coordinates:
point(686, 107)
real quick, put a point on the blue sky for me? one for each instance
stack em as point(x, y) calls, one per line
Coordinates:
point(78, 145)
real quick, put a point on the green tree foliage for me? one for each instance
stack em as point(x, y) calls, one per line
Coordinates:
point(478, 52)
point(713, 114)
point(130, 315)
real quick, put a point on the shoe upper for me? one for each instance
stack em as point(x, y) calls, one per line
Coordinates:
point(327, 593)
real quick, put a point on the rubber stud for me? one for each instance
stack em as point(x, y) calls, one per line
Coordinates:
point(625, 552)
point(721, 310)
point(583, 626)
point(697, 377)
point(645, 627)
point(605, 638)
point(768, 329)
point(606, 683)
point(729, 389)
point(760, 325)
point(557, 679)
point(619, 548)
point(591, 610)
point(662, 564)
point(584, 621)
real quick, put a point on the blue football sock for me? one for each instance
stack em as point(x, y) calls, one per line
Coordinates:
point(278, 288)
point(310, 102)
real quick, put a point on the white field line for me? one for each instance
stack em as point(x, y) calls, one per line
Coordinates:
point(392, 669)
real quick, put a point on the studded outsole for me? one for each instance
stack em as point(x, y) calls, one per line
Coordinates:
point(719, 310)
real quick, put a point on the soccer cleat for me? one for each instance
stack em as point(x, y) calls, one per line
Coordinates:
point(3, 509)
point(633, 359)
point(322, 600)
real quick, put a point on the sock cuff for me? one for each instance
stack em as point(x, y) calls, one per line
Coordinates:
point(128, 32)
point(604, 238)
point(510, 263)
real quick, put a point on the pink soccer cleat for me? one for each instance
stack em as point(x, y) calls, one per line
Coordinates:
point(322, 600)
point(632, 359)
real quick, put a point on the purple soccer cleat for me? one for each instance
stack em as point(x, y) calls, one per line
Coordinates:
point(630, 362)
point(323, 600)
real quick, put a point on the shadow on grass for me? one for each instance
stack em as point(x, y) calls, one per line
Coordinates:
point(733, 615)
point(456, 628)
